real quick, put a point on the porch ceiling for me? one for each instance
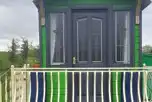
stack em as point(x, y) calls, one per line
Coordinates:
point(145, 3)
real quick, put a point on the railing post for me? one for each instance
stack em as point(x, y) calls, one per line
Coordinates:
point(12, 82)
point(27, 83)
point(145, 82)
point(0, 90)
point(6, 93)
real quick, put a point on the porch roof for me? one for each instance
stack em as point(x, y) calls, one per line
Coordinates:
point(145, 3)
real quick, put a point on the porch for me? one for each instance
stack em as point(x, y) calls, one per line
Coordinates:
point(29, 85)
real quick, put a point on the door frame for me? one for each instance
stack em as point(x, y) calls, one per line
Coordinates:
point(109, 28)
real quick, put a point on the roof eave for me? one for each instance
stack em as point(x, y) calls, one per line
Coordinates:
point(36, 2)
point(145, 3)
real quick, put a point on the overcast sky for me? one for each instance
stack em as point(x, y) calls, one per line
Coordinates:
point(19, 18)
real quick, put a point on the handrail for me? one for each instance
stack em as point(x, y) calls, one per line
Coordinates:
point(4, 73)
point(34, 75)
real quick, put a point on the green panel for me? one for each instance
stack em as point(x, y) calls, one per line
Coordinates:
point(55, 86)
point(43, 46)
point(101, 1)
point(137, 44)
point(61, 3)
point(48, 86)
point(62, 86)
point(62, 98)
point(113, 82)
point(62, 80)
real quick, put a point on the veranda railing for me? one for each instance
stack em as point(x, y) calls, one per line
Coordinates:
point(80, 85)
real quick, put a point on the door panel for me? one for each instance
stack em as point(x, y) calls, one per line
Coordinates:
point(89, 50)
point(89, 39)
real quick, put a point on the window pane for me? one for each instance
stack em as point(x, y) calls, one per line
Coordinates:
point(82, 40)
point(96, 39)
point(57, 38)
point(122, 38)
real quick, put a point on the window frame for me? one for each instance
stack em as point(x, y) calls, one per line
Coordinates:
point(64, 59)
point(113, 63)
point(128, 38)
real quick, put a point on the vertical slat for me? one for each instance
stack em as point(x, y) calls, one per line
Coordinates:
point(36, 99)
point(131, 93)
point(94, 87)
point(51, 87)
point(73, 87)
point(29, 86)
point(80, 96)
point(124, 91)
point(139, 98)
point(87, 86)
point(14, 93)
point(117, 98)
point(0, 90)
point(109, 86)
point(22, 96)
point(6, 94)
point(102, 96)
point(66, 86)
point(44, 81)
point(12, 84)
point(146, 86)
point(58, 86)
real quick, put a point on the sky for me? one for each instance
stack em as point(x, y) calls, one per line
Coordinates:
point(19, 18)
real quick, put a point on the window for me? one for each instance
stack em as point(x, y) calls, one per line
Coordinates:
point(96, 40)
point(122, 37)
point(82, 40)
point(57, 38)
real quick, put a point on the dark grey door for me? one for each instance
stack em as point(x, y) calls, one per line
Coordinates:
point(89, 39)
point(89, 45)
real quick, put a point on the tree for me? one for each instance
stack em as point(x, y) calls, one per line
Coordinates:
point(24, 50)
point(147, 49)
point(13, 51)
point(33, 54)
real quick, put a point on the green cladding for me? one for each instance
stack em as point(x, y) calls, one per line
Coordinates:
point(43, 46)
point(66, 3)
point(137, 44)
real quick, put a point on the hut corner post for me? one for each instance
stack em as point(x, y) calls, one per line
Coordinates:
point(43, 33)
point(137, 33)
point(47, 77)
point(137, 45)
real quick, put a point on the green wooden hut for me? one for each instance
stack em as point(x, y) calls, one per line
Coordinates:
point(90, 33)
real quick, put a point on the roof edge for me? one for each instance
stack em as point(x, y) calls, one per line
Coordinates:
point(36, 2)
point(145, 3)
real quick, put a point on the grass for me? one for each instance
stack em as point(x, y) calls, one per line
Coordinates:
point(4, 62)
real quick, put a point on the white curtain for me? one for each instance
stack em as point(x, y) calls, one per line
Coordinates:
point(53, 36)
point(126, 40)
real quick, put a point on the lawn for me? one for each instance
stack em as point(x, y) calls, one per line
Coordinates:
point(4, 62)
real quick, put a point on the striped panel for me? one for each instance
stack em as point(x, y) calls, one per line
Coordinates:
point(55, 86)
point(33, 87)
point(127, 86)
point(135, 87)
point(48, 87)
point(62, 86)
point(40, 87)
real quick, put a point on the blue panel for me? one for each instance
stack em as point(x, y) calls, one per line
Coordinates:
point(127, 88)
point(135, 86)
point(33, 87)
point(40, 87)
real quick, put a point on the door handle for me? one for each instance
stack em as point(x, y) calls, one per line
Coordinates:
point(74, 60)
